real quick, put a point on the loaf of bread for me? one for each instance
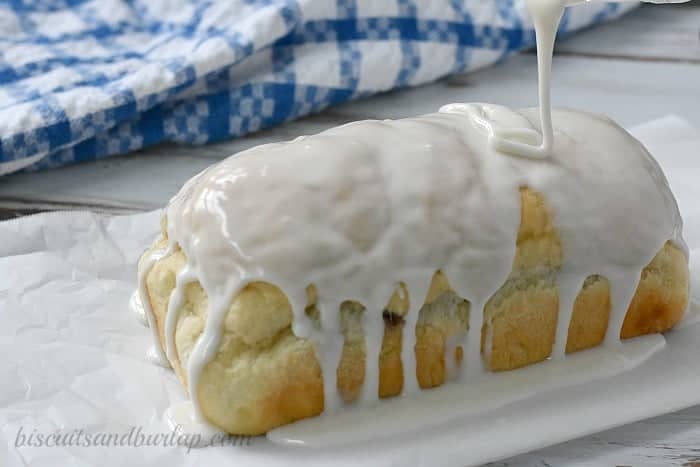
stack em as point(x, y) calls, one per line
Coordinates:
point(262, 372)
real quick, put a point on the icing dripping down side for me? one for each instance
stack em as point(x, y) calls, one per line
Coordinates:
point(155, 353)
point(136, 308)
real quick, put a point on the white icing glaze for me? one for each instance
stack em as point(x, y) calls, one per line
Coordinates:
point(359, 208)
point(181, 419)
point(569, 287)
point(136, 308)
point(184, 277)
point(417, 284)
point(155, 353)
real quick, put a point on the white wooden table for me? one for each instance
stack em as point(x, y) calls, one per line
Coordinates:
point(640, 68)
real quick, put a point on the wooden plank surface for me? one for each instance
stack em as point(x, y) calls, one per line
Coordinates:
point(640, 68)
point(670, 440)
point(664, 33)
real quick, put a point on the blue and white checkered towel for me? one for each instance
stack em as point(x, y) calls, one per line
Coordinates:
point(85, 79)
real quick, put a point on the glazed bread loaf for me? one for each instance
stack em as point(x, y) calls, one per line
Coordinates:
point(265, 371)
point(263, 376)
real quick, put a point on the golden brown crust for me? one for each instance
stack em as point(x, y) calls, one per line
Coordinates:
point(263, 376)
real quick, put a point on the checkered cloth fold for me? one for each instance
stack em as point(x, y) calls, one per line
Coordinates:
point(85, 79)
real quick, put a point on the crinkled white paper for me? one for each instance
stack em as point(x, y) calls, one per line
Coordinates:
point(73, 358)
